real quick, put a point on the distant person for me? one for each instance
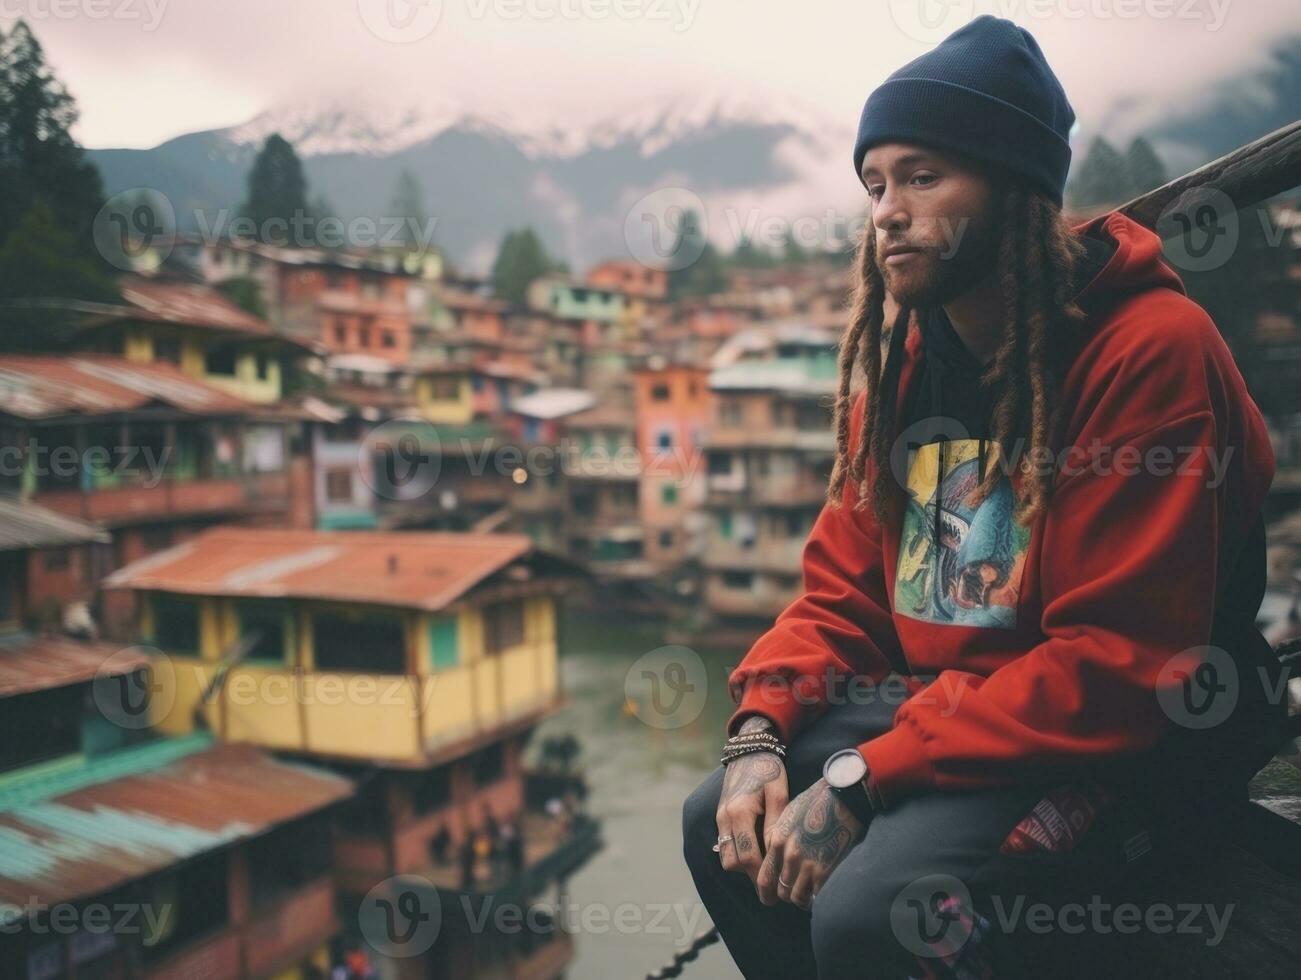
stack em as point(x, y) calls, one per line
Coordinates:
point(1045, 506)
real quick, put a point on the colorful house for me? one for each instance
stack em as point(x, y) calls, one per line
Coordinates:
point(196, 329)
point(419, 662)
point(131, 856)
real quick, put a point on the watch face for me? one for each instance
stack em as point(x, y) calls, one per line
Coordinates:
point(845, 769)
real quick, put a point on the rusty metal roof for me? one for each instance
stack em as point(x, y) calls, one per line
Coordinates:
point(52, 385)
point(38, 662)
point(151, 807)
point(410, 569)
point(26, 525)
point(188, 303)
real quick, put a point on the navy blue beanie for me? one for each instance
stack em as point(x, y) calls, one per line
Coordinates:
point(985, 91)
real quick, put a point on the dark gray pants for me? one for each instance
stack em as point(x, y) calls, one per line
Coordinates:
point(927, 891)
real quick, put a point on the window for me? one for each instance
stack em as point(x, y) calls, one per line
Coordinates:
point(369, 643)
point(40, 726)
point(432, 789)
point(57, 559)
point(660, 393)
point(196, 896)
point(720, 464)
point(445, 389)
point(340, 334)
point(664, 439)
point(668, 494)
point(220, 360)
point(387, 339)
point(263, 366)
point(167, 349)
point(443, 650)
point(363, 336)
point(338, 485)
point(666, 539)
point(489, 765)
point(738, 580)
point(287, 859)
point(176, 624)
point(503, 626)
point(730, 414)
point(267, 620)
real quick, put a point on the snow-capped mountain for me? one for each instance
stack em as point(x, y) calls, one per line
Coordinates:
point(332, 124)
point(484, 171)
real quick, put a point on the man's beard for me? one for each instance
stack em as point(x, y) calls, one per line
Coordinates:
point(942, 273)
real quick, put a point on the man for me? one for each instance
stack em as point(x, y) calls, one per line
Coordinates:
point(1043, 530)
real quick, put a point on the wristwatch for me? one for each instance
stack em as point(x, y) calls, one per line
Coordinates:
point(846, 773)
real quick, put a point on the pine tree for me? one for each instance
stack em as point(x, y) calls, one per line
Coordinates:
point(521, 259)
point(1143, 167)
point(703, 270)
point(39, 159)
point(1102, 177)
point(409, 206)
point(42, 262)
point(277, 193)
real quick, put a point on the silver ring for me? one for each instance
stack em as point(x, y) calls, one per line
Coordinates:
point(784, 884)
point(721, 841)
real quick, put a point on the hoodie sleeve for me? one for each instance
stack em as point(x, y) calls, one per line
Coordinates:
point(840, 626)
point(1127, 569)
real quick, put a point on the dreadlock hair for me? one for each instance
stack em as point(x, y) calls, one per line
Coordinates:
point(1036, 257)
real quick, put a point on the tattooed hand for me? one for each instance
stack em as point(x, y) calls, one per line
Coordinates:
point(814, 833)
point(754, 789)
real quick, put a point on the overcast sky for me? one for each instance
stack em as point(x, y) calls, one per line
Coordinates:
point(146, 70)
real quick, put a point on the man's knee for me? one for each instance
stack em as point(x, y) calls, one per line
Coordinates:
point(851, 930)
point(700, 819)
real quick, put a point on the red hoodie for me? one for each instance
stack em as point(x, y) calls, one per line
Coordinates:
point(1062, 663)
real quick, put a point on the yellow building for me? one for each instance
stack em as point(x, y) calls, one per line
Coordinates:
point(197, 329)
point(393, 647)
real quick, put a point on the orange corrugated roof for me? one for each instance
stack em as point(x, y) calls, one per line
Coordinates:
point(412, 569)
point(40, 662)
point(50, 385)
point(193, 304)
